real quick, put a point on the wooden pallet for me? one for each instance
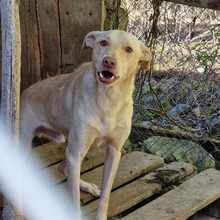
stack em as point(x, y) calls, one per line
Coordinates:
point(140, 180)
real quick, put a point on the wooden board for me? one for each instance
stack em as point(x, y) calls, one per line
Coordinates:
point(49, 37)
point(94, 158)
point(131, 166)
point(50, 153)
point(77, 18)
point(141, 189)
point(30, 51)
point(53, 153)
point(184, 201)
point(52, 32)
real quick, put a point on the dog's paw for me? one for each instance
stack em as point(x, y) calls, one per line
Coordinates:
point(94, 190)
point(90, 188)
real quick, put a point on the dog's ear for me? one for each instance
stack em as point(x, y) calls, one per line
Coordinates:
point(146, 57)
point(90, 39)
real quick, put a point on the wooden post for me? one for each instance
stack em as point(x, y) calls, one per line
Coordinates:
point(11, 63)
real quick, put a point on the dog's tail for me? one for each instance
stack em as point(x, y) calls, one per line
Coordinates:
point(51, 134)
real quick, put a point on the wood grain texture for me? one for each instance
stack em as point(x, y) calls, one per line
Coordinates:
point(10, 96)
point(50, 153)
point(94, 158)
point(49, 37)
point(184, 201)
point(11, 66)
point(30, 53)
point(52, 35)
point(141, 189)
point(131, 166)
point(77, 18)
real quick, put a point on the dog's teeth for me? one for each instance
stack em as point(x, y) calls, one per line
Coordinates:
point(102, 75)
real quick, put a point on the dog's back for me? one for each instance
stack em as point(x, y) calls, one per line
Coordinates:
point(42, 102)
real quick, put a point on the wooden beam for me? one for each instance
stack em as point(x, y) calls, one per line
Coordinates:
point(139, 190)
point(210, 4)
point(183, 201)
point(11, 64)
point(132, 165)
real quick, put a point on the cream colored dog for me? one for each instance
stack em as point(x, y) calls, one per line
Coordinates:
point(92, 106)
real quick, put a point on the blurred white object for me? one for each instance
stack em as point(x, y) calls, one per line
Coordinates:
point(40, 200)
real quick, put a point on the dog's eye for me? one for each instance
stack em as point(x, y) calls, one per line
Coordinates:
point(103, 43)
point(128, 49)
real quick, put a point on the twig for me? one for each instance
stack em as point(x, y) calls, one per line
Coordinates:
point(156, 130)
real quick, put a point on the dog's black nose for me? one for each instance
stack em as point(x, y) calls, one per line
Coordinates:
point(109, 62)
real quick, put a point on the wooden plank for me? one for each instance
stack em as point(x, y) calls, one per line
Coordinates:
point(184, 201)
point(50, 153)
point(30, 53)
point(211, 4)
point(49, 37)
point(141, 189)
point(94, 158)
point(131, 166)
point(77, 18)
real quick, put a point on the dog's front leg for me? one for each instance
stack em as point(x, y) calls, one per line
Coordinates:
point(113, 156)
point(79, 142)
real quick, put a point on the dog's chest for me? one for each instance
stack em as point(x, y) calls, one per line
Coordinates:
point(109, 122)
point(111, 110)
point(106, 126)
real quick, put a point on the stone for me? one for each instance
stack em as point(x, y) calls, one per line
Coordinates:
point(179, 109)
point(172, 149)
point(214, 124)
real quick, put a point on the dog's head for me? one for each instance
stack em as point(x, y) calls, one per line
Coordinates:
point(116, 55)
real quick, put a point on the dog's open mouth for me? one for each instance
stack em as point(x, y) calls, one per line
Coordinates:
point(106, 76)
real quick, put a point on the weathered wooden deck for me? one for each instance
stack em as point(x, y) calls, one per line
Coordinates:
point(142, 179)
